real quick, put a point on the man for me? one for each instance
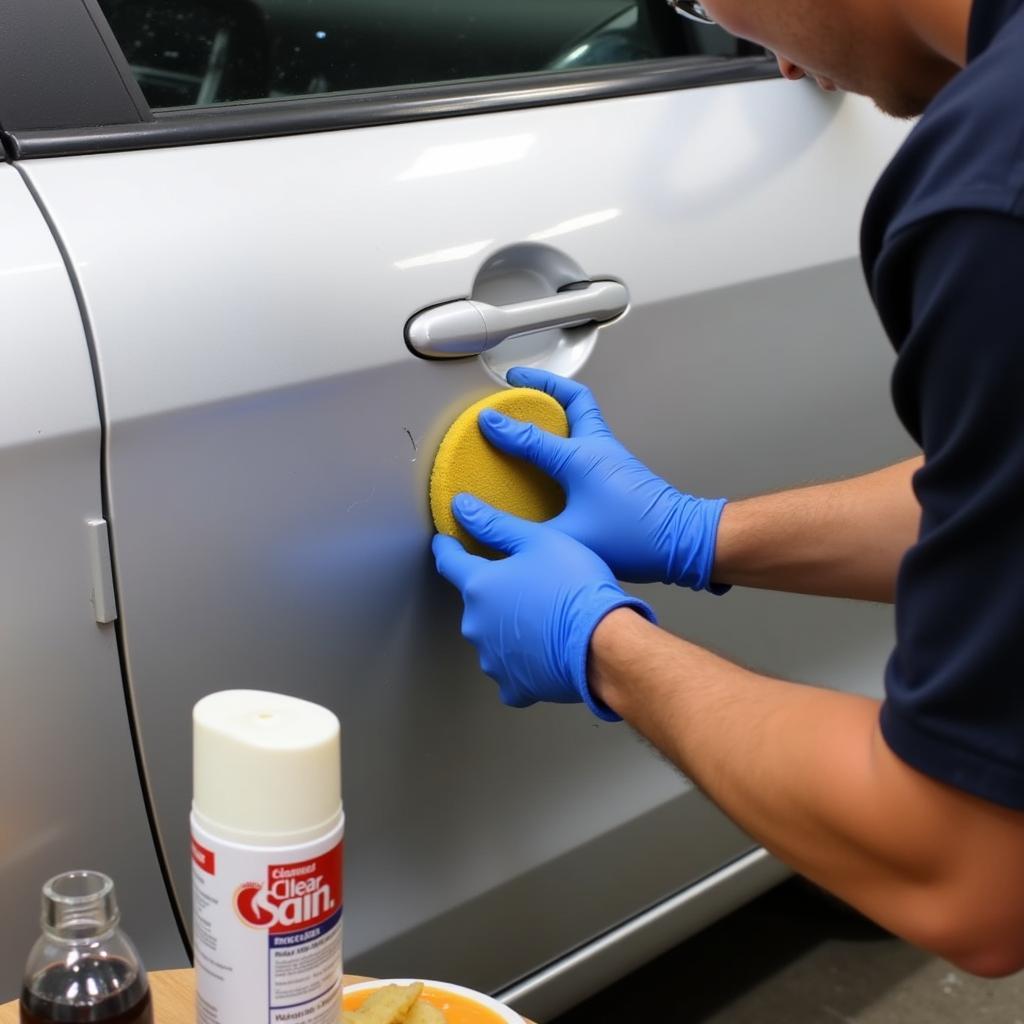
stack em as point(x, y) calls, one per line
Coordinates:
point(912, 810)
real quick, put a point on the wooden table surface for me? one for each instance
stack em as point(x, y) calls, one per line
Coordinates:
point(173, 998)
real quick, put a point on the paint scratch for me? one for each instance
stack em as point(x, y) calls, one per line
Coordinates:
point(362, 501)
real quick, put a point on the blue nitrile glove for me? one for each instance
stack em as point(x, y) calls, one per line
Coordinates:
point(531, 615)
point(644, 528)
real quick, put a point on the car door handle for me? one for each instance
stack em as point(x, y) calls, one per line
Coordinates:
point(467, 327)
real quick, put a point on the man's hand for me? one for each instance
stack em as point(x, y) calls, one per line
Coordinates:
point(531, 615)
point(644, 528)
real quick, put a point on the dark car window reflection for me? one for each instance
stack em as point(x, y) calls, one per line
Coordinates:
point(204, 52)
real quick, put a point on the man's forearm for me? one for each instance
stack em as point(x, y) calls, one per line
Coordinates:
point(842, 539)
point(807, 773)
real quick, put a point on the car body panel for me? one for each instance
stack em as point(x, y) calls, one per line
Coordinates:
point(616, 953)
point(270, 439)
point(70, 796)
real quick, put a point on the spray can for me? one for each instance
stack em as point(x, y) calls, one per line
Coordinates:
point(267, 830)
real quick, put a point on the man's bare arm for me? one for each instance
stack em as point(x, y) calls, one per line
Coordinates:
point(841, 539)
point(807, 773)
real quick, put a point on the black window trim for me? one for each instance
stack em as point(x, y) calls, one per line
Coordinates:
point(36, 129)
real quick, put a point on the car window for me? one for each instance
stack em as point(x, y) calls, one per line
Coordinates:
point(205, 52)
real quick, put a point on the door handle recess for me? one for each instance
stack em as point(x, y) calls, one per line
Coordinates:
point(467, 327)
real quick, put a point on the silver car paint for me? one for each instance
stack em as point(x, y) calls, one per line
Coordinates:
point(70, 795)
point(270, 438)
point(587, 970)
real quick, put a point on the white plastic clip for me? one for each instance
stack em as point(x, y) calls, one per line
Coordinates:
point(103, 601)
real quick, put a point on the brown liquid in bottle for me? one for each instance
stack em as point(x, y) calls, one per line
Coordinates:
point(62, 994)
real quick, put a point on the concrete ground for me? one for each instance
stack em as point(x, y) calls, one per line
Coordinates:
point(796, 957)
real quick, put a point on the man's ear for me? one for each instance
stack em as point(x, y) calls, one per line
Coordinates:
point(789, 69)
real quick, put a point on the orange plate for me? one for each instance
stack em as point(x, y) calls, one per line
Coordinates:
point(456, 1009)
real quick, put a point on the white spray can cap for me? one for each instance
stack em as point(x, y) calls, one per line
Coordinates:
point(266, 767)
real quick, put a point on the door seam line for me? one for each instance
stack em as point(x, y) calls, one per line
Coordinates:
point(105, 501)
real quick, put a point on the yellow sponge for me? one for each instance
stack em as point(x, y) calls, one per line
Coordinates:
point(466, 462)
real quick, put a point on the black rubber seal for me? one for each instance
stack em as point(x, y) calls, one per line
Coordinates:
point(258, 119)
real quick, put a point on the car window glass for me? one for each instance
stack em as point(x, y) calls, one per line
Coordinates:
point(204, 52)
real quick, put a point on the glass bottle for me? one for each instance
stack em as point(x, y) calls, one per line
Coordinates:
point(84, 969)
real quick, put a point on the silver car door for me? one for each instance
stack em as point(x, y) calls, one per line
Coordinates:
point(70, 794)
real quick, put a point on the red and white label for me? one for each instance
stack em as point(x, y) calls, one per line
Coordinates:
point(267, 930)
point(204, 859)
point(293, 896)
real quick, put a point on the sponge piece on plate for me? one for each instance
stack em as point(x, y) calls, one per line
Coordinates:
point(465, 461)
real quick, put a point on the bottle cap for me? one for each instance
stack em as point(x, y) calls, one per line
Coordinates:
point(266, 767)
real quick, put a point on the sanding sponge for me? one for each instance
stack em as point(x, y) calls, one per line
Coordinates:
point(467, 462)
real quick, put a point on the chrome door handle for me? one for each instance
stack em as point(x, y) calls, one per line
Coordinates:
point(467, 327)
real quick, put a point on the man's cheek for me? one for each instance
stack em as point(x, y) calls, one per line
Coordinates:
point(733, 16)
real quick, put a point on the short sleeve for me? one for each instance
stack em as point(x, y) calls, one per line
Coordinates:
point(954, 705)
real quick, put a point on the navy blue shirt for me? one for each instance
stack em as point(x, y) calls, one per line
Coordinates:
point(943, 249)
